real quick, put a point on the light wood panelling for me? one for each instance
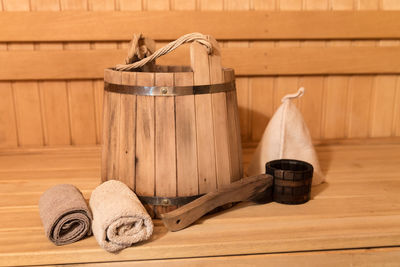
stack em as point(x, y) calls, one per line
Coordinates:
point(28, 113)
point(334, 124)
point(80, 93)
point(286, 84)
point(262, 93)
point(82, 63)
point(359, 101)
point(129, 5)
point(100, 25)
point(156, 5)
point(335, 103)
point(27, 104)
point(55, 112)
point(53, 94)
point(394, 5)
point(383, 106)
point(8, 132)
point(396, 122)
point(312, 104)
point(390, 4)
point(336, 93)
point(242, 84)
point(211, 5)
point(183, 4)
point(82, 116)
point(343, 105)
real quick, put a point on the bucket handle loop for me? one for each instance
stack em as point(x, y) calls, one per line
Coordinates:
point(191, 37)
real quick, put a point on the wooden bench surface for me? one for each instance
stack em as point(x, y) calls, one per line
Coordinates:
point(353, 219)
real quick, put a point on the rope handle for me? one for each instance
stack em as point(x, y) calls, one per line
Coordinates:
point(299, 93)
point(191, 37)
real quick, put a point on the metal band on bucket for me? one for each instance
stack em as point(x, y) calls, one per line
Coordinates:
point(169, 90)
point(168, 201)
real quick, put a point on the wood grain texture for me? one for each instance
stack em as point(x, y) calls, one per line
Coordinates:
point(248, 189)
point(360, 89)
point(80, 93)
point(8, 133)
point(383, 106)
point(111, 130)
point(335, 97)
point(186, 143)
point(234, 136)
point(98, 86)
point(165, 145)
point(220, 118)
point(127, 134)
point(261, 99)
point(82, 116)
point(53, 26)
point(53, 94)
point(204, 120)
point(352, 257)
point(145, 139)
point(355, 210)
point(54, 97)
point(28, 114)
point(303, 20)
point(259, 61)
point(27, 106)
point(396, 122)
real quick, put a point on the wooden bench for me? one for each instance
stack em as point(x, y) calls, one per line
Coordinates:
point(51, 67)
point(352, 220)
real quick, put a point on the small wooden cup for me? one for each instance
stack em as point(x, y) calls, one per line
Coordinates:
point(292, 180)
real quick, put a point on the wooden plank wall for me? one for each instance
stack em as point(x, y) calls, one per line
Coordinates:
point(336, 107)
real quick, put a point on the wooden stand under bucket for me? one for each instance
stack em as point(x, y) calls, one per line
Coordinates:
point(173, 134)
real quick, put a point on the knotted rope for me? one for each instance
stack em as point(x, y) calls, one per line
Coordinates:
point(299, 93)
point(191, 37)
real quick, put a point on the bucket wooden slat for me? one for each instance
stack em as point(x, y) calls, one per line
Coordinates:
point(145, 139)
point(105, 160)
point(165, 160)
point(204, 124)
point(111, 128)
point(238, 135)
point(220, 120)
point(127, 135)
point(186, 148)
point(234, 131)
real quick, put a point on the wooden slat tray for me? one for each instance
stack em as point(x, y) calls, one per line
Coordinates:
point(358, 208)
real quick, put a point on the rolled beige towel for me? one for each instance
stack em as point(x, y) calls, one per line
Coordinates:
point(65, 215)
point(119, 218)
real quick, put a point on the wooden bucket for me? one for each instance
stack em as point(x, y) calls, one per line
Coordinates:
point(292, 180)
point(173, 134)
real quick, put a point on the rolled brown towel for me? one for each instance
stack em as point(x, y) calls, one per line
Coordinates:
point(65, 215)
point(119, 219)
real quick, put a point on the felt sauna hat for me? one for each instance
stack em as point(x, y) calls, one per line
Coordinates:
point(286, 137)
